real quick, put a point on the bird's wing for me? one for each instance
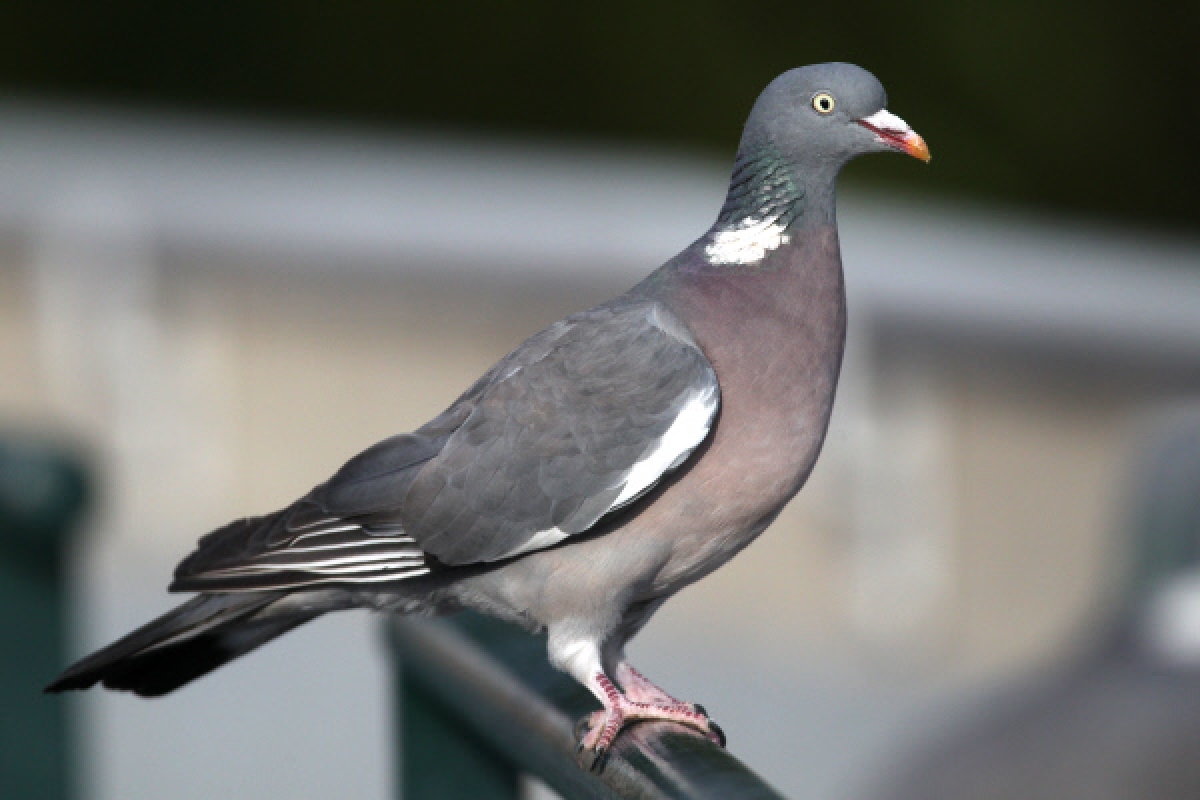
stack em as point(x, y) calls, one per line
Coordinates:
point(344, 531)
point(582, 419)
point(309, 544)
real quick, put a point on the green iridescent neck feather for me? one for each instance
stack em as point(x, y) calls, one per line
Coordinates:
point(763, 188)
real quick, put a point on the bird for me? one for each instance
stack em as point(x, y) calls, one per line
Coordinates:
point(610, 460)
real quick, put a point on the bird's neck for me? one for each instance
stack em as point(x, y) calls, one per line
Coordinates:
point(772, 257)
point(764, 185)
point(770, 203)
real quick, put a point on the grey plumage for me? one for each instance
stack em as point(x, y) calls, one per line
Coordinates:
point(609, 460)
point(625, 376)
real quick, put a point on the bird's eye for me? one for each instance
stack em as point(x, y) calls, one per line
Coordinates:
point(822, 103)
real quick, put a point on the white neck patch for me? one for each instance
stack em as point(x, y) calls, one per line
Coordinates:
point(748, 242)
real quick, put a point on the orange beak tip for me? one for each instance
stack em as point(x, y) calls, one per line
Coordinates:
point(915, 146)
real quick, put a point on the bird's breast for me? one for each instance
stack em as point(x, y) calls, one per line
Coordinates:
point(775, 339)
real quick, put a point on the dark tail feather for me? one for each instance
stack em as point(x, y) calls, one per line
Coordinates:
point(183, 644)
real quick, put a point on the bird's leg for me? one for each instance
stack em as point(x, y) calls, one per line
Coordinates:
point(603, 726)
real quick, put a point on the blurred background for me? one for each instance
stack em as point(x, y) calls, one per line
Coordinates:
point(239, 242)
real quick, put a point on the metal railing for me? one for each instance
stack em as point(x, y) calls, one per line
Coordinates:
point(479, 705)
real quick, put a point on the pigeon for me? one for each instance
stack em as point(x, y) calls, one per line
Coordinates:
point(607, 462)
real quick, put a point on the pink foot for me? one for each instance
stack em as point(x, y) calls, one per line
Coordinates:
point(640, 690)
point(619, 710)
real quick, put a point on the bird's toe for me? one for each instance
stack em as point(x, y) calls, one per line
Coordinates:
point(595, 734)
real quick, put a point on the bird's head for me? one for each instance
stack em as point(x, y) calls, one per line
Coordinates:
point(804, 127)
point(823, 115)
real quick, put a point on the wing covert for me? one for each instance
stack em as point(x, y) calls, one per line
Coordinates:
point(581, 420)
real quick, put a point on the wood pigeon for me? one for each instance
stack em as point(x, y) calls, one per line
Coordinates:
point(609, 461)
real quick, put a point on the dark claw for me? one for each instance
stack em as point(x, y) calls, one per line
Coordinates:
point(582, 726)
point(591, 760)
point(599, 760)
point(717, 730)
point(712, 725)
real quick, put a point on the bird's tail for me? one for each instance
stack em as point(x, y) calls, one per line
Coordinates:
point(192, 640)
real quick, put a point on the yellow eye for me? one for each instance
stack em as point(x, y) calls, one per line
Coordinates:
point(822, 103)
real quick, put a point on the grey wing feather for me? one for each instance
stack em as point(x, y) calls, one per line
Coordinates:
point(327, 537)
point(581, 421)
point(344, 531)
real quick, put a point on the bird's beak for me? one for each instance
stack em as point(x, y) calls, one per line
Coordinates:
point(894, 132)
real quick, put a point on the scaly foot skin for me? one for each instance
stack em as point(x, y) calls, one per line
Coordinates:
point(639, 689)
point(599, 730)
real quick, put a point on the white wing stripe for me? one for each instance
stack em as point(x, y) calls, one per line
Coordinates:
point(364, 558)
point(373, 542)
point(538, 541)
point(372, 560)
point(393, 576)
point(328, 531)
point(685, 435)
point(308, 525)
point(306, 583)
point(350, 570)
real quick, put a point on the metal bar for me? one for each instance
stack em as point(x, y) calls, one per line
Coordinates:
point(495, 680)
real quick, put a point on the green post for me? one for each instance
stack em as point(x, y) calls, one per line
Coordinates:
point(441, 758)
point(1165, 519)
point(440, 755)
point(41, 495)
